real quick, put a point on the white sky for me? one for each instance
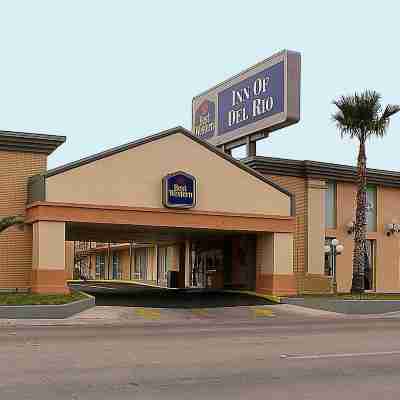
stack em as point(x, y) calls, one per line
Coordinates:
point(107, 72)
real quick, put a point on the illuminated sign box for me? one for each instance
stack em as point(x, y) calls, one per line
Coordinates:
point(263, 98)
point(179, 190)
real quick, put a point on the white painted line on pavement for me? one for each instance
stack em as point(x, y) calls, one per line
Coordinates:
point(339, 355)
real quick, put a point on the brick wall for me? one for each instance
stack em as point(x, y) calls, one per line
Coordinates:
point(306, 283)
point(297, 186)
point(16, 244)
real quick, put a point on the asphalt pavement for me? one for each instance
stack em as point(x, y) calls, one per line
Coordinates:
point(273, 359)
point(248, 352)
point(127, 295)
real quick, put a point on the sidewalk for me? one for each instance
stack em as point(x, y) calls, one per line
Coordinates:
point(117, 316)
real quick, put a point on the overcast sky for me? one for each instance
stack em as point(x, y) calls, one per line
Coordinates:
point(104, 73)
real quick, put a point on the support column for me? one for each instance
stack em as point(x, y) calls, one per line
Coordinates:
point(316, 227)
point(48, 262)
point(250, 148)
point(188, 257)
point(225, 150)
point(274, 264)
point(156, 275)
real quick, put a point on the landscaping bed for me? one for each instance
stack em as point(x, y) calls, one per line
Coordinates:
point(365, 303)
point(23, 299)
point(37, 306)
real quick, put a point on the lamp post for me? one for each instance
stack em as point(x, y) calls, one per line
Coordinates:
point(335, 249)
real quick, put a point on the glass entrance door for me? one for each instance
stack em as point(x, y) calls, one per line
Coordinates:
point(208, 266)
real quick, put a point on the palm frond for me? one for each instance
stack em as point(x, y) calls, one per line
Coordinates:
point(360, 115)
point(390, 110)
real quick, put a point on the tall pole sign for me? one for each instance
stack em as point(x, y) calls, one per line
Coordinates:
point(248, 106)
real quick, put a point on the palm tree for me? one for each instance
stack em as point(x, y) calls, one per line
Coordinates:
point(362, 116)
point(6, 222)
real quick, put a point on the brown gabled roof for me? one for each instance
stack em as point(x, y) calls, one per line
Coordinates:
point(161, 135)
point(30, 142)
point(319, 170)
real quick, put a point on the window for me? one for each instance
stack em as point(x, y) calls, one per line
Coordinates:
point(141, 261)
point(100, 266)
point(116, 266)
point(371, 208)
point(330, 205)
point(162, 266)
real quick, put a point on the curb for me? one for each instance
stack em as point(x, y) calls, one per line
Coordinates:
point(348, 307)
point(47, 311)
point(270, 297)
point(99, 281)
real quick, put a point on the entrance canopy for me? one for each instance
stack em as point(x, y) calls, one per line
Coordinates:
point(141, 234)
point(122, 192)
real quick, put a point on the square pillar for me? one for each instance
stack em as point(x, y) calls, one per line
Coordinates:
point(188, 259)
point(274, 264)
point(48, 262)
point(315, 226)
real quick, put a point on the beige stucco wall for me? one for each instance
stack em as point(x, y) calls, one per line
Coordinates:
point(265, 253)
point(388, 248)
point(133, 178)
point(274, 253)
point(283, 253)
point(316, 226)
point(48, 245)
point(346, 193)
point(387, 251)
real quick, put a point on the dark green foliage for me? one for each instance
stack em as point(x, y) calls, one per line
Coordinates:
point(362, 115)
point(6, 222)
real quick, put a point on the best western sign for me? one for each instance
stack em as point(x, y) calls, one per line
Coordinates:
point(179, 190)
point(261, 99)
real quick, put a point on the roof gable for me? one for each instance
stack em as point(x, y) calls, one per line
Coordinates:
point(158, 136)
point(131, 175)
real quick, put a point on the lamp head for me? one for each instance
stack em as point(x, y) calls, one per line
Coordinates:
point(335, 242)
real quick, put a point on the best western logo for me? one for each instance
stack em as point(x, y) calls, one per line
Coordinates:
point(180, 191)
point(204, 121)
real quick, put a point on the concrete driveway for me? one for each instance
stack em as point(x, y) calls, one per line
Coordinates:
point(127, 295)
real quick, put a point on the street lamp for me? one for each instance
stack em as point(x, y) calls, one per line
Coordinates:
point(334, 249)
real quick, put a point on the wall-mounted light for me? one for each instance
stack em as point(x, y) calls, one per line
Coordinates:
point(350, 226)
point(392, 228)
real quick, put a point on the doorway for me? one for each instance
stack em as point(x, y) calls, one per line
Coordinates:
point(208, 267)
point(227, 262)
point(369, 266)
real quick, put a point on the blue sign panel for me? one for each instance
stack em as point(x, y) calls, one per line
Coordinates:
point(250, 105)
point(252, 99)
point(179, 190)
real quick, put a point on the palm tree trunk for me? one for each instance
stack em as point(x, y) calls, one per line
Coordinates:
point(360, 229)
